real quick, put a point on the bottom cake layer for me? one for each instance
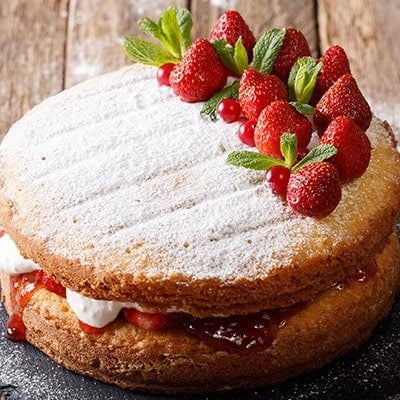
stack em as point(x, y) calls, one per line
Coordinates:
point(174, 361)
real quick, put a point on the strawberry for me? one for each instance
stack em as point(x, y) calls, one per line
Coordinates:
point(334, 64)
point(342, 98)
point(314, 190)
point(353, 145)
point(149, 321)
point(229, 27)
point(257, 90)
point(199, 74)
point(276, 119)
point(294, 46)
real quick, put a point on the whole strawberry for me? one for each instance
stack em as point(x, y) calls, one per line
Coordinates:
point(342, 98)
point(257, 90)
point(314, 190)
point(199, 74)
point(334, 64)
point(276, 119)
point(294, 46)
point(353, 145)
point(230, 26)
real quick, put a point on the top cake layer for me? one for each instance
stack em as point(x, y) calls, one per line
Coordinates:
point(121, 191)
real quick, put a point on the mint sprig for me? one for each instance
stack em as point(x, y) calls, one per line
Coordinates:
point(302, 79)
point(234, 58)
point(172, 30)
point(266, 50)
point(229, 92)
point(288, 145)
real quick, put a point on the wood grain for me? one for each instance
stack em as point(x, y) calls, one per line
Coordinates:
point(32, 43)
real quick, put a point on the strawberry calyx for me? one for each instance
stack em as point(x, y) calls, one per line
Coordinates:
point(172, 30)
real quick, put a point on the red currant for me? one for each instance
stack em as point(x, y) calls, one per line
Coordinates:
point(278, 178)
point(229, 110)
point(246, 132)
point(163, 74)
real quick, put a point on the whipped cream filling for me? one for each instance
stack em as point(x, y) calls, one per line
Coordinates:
point(93, 312)
point(11, 261)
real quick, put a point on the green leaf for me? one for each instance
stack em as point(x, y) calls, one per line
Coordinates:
point(266, 50)
point(240, 56)
point(234, 58)
point(302, 79)
point(185, 23)
point(210, 107)
point(304, 109)
point(288, 147)
point(150, 28)
point(319, 153)
point(175, 25)
point(252, 160)
point(148, 53)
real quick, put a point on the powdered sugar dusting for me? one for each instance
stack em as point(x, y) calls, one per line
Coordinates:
point(120, 167)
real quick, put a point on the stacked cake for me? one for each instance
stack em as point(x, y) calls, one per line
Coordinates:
point(138, 250)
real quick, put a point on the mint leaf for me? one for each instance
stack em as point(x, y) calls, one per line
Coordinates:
point(304, 109)
point(234, 58)
point(302, 79)
point(266, 50)
point(210, 107)
point(144, 52)
point(288, 146)
point(319, 153)
point(240, 56)
point(175, 25)
point(252, 160)
point(150, 28)
point(173, 32)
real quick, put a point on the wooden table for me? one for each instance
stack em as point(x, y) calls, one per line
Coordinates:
point(49, 45)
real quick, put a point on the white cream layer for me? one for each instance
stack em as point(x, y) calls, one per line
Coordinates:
point(96, 313)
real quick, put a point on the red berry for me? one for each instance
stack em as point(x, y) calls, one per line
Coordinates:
point(199, 74)
point(163, 74)
point(342, 98)
point(294, 46)
point(302, 151)
point(149, 321)
point(277, 178)
point(257, 90)
point(334, 64)
point(246, 132)
point(229, 110)
point(276, 119)
point(314, 190)
point(353, 145)
point(230, 26)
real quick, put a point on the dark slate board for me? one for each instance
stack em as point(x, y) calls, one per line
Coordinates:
point(371, 372)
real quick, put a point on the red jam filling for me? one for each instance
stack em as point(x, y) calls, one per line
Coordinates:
point(23, 287)
point(238, 334)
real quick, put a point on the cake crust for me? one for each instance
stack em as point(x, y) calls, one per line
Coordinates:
point(173, 361)
point(109, 230)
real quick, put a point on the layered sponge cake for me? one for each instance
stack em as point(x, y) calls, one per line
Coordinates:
point(133, 252)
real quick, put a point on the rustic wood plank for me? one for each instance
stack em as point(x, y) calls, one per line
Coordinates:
point(368, 30)
point(260, 16)
point(32, 42)
point(96, 30)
